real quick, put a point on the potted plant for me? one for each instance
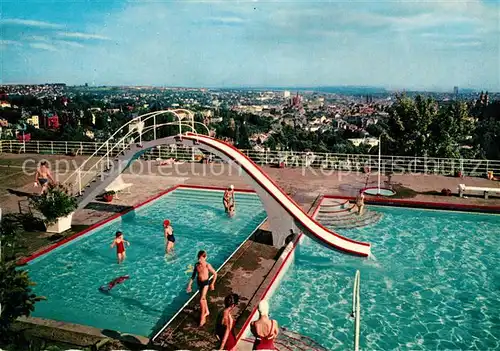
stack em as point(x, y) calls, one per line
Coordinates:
point(108, 196)
point(57, 206)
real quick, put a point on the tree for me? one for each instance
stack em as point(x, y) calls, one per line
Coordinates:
point(418, 127)
point(487, 136)
point(16, 296)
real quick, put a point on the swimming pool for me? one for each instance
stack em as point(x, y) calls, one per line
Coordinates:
point(70, 276)
point(435, 284)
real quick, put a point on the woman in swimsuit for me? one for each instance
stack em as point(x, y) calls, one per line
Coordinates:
point(119, 242)
point(264, 329)
point(224, 328)
point(169, 236)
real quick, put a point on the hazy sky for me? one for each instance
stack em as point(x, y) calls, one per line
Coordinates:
point(394, 44)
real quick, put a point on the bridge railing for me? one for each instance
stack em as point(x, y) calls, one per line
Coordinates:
point(326, 161)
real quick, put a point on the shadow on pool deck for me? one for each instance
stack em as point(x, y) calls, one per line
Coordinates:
point(244, 275)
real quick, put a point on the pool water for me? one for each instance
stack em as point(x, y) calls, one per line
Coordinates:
point(70, 276)
point(435, 285)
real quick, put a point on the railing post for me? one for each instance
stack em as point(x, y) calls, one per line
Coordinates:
point(37, 147)
point(154, 127)
point(52, 147)
point(10, 142)
point(79, 182)
point(107, 154)
point(81, 148)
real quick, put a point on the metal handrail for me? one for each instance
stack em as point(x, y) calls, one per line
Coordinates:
point(327, 161)
point(106, 143)
point(356, 309)
point(129, 135)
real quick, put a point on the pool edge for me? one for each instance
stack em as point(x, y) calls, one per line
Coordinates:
point(287, 256)
point(383, 201)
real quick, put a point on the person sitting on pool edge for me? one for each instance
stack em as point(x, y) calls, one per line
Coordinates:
point(202, 268)
point(228, 198)
point(119, 242)
point(168, 231)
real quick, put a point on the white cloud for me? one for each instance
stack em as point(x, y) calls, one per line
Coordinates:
point(43, 46)
point(73, 44)
point(79, 35)
point(30, 23)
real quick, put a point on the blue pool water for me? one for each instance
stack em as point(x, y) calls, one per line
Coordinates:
point(70, 276)
point(435, 285)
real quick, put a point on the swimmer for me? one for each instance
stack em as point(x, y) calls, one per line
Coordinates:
point(228, 199)
point(169, 236)
point(360, 203)
point(42, 177)
point(202, 268)
point(119, 242)
point(231, 210)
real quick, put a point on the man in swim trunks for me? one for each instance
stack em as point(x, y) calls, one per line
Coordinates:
point(228, 199)
point(202, 268)
point(42, 176)
point(169, 236)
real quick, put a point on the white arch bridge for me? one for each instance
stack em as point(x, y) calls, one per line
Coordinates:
point(284, 214)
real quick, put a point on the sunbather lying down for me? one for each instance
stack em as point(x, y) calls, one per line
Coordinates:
point(169, 161)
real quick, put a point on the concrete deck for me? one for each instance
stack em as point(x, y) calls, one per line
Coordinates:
point(242, 275)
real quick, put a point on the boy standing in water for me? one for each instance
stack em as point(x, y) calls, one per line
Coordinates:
point(202, 268)
point(119, 242)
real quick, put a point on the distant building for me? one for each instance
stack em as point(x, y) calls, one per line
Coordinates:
point(52, 121)
point(286, 94)
point(4, 104)
point(455, 90)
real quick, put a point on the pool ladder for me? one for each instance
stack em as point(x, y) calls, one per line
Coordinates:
point(355, 309)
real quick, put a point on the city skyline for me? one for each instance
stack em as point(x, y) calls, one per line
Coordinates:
point(394, 45)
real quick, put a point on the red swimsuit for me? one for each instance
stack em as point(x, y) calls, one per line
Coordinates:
point(120, 247)
point(264, 343)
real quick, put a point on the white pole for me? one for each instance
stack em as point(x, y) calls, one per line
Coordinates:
point(154, 127)
point(379, 138)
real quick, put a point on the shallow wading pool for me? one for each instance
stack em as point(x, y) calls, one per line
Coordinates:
point(70, 275)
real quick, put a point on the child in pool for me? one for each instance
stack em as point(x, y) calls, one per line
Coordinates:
point(119, 242)
point(168, 231)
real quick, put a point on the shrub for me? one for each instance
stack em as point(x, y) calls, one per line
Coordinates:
point(55, 203)
point(16, 296)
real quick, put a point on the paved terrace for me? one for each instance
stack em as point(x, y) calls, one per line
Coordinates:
point(149, 179)
point(254, 262)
